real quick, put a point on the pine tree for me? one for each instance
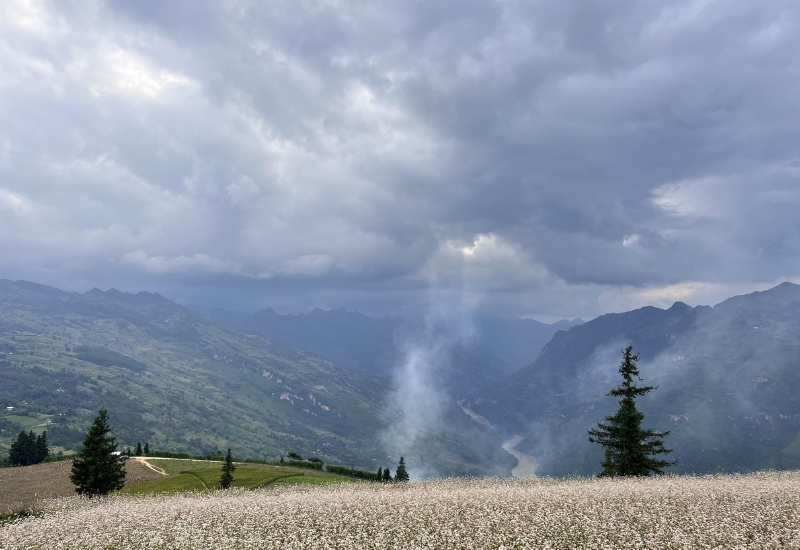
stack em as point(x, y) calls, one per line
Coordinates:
point(28, 449)
point(138, 451)
point(227, 472)
point(629, 450)
point(41, 448)
point(387, 475)
point(21, 449)
point(401, 474)
point(147, 449)
point(379, 475)
point(96, 471)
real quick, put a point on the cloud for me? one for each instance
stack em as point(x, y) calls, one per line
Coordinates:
point(540, 157)
point(181, 264)
point(242, 191)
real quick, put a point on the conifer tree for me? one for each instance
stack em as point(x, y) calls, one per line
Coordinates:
point(629, 450)
point(146, 449)
point(379, 475)
point(138, 451)
point(41, 448)
point(401, 474)
point(387, 475)
point(97, 471)
point(21, 449)
point(28, 449)
point(226, 479)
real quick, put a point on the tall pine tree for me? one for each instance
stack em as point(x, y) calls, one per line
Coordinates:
point(629, 450)
point(226, 479)
point(401, 474)
point(96, 471)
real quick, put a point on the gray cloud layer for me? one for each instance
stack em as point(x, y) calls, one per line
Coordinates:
point(547, 158)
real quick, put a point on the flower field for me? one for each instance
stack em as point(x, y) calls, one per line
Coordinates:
point(740, 511)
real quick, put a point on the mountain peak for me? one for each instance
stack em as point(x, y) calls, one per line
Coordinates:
point(680, 307)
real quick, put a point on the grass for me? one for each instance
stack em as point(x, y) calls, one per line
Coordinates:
point(24, 490)
point(203, 475)
point(180, 482)
point(28, 423)
point(205, 480)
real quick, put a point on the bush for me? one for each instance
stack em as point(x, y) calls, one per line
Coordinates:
point(352, 472)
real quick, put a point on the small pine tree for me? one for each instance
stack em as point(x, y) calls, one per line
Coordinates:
point(226, 479)
point(379, 475)
point(146, 449)
point(96, 471)
point(387, 475)
point(629, 450)
point(138, 451)
point(401, 474)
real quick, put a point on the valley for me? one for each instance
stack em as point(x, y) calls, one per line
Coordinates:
point(170, 376)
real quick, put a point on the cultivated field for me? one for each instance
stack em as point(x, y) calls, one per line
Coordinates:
point(758, 511)
point(27, 487)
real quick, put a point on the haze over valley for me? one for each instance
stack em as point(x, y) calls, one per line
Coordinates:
point(425, 389)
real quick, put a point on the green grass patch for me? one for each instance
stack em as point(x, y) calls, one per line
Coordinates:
point(180, 482)
point(24, 422)
point(202, 476)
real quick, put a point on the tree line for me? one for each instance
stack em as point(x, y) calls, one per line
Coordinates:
point(28, 448)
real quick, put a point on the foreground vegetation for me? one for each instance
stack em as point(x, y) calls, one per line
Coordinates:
point(201, 475)
point(748, 511)
point(27, 488)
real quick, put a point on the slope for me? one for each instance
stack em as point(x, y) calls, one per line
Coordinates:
point(493, 348)
point(727, 380)
point(182, 382)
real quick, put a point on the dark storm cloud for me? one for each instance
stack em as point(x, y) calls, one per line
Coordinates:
point(554, 159)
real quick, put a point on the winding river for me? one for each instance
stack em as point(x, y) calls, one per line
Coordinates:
point(526, 464)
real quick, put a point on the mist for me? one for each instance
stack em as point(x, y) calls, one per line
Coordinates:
point(723, 377)
point(420, 397)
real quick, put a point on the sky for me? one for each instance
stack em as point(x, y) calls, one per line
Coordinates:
point(520, 158)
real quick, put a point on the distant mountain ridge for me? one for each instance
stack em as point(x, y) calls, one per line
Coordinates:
point(728, 377)
point(495, 348)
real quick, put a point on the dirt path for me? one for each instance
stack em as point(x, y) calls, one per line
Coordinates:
point(526, 464)
point(146, 462)
point(200, 479)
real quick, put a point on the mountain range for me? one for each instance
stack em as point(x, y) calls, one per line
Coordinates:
point(727, 382)
point(362, 391)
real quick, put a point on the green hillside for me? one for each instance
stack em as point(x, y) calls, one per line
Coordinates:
point(181, 382)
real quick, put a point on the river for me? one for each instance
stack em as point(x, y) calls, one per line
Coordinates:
point(526, 464)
